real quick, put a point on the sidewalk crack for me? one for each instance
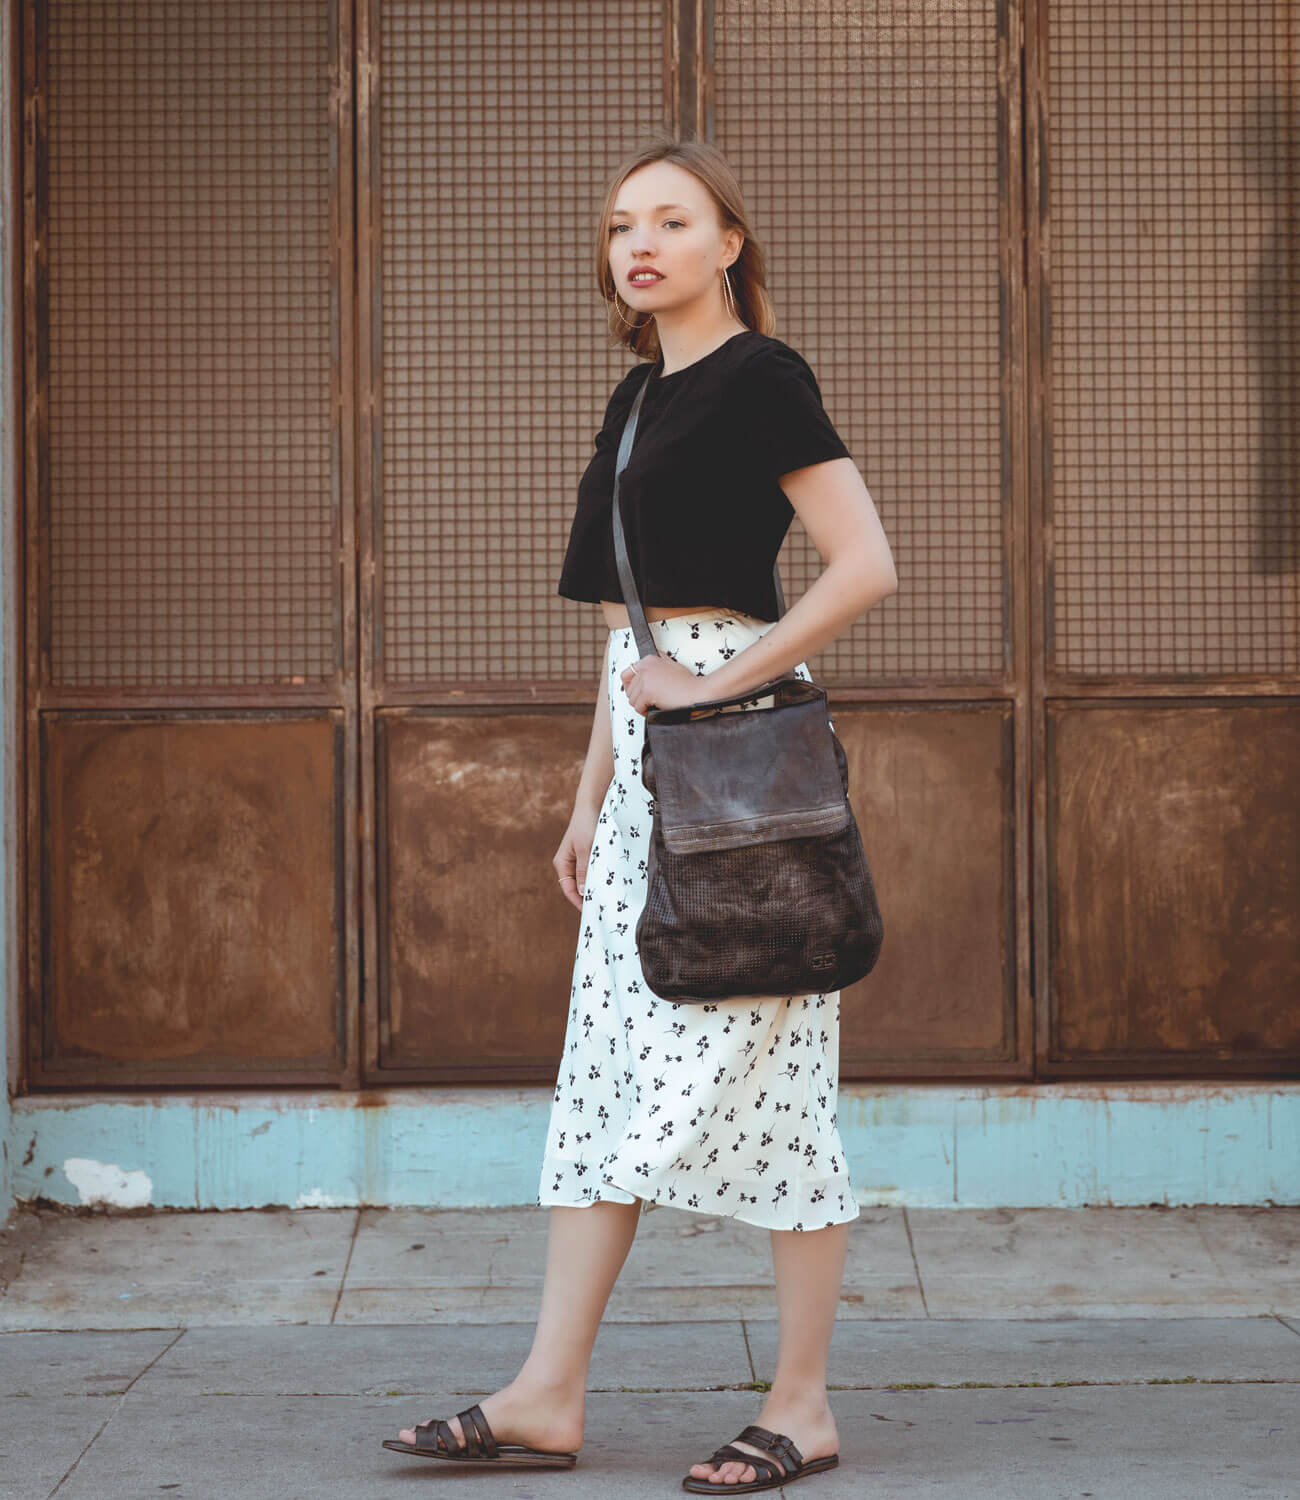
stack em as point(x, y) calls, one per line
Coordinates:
point(911, 1246)
point(103, 1426)
point(347, 1265)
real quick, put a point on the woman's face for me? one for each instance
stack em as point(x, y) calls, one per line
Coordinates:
point(664, 219)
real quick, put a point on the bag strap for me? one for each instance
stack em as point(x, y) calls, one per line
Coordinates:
point(636, 614)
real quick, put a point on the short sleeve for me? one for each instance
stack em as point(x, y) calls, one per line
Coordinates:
point(783, 416)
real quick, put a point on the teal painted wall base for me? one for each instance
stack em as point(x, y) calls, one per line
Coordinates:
point(1063, 1145)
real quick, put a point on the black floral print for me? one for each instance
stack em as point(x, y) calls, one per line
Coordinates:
point(727, 1107)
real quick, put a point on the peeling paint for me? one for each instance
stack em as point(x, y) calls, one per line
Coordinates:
point(105, 1182)
point(962, 1145)
point(319, 1198)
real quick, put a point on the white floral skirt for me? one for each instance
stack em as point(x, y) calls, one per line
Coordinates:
point(727, 1107)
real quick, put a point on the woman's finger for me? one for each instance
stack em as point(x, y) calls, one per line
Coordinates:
point(570, 894)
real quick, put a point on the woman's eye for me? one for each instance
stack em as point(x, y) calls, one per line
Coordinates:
point(614, 228)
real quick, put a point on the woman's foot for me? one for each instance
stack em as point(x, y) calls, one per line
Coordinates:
point(810, 1428)
point(547, 1418)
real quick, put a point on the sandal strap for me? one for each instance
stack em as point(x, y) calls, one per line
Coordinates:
point(762, 1467)
point(774, 1442)
point(478, 1434)
point(435, 1436)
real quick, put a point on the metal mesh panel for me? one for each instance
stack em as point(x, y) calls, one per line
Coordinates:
point(191, 516)
point(865, 137)
point(1175, 330)
point(499, 124)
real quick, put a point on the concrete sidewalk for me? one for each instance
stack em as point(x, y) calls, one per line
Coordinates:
point(1008, 1352)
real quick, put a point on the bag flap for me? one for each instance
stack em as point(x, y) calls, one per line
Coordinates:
point(752, 776)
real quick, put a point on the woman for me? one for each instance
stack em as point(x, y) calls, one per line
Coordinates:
point(724, 1108)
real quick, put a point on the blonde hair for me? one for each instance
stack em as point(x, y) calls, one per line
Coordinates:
point(747, 273)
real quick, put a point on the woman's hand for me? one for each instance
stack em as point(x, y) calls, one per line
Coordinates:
point(660, 682)
point(575, 850)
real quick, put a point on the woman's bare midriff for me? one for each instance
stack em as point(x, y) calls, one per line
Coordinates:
point(616, 614)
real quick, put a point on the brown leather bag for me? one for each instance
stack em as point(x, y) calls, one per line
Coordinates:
point(757, 881)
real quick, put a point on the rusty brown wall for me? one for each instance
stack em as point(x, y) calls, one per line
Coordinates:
point(304, 715)
point(189, 514)
point(1165, 288)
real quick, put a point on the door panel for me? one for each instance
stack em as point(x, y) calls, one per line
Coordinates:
point(1165, 286)
point(1174, 546)
point(933, 791)
point(475, 929)
point(192, 494)
point(487, 129)
point(190, 902)
point(484, 131)
point(879, 150)
point(875, 150)
point(1176, 881)
point(195, 909)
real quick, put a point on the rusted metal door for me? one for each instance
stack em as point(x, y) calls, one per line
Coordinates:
point(304, 731)
point(190, 699)
point(880, 155)
point(1165, 325)
point(483, 132)
point(881, 150)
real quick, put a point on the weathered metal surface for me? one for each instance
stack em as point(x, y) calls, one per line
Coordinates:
point(193, 887)
point(476, 938)
point(1174, 849)
point(1026, 589)
point(180, 553)
point(932, 791)
point(1171, 410)
point(1162, 574)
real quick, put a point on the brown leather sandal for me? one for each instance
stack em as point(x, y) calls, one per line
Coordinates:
point(769, 1476)
point(437, 1439)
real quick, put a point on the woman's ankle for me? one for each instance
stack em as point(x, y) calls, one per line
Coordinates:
point(563, 1386)
point(799, 1394)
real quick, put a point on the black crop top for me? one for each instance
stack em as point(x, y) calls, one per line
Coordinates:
point(701, 506)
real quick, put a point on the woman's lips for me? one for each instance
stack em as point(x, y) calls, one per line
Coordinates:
point(653, 280)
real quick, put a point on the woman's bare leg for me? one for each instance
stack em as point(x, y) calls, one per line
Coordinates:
point(809, 1267)
point(545, 1404)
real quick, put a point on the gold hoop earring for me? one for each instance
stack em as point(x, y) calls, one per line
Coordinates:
point(728, 296)
point(619, 311)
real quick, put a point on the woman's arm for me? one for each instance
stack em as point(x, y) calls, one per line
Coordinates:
point(839, 515)
point(598, 769)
